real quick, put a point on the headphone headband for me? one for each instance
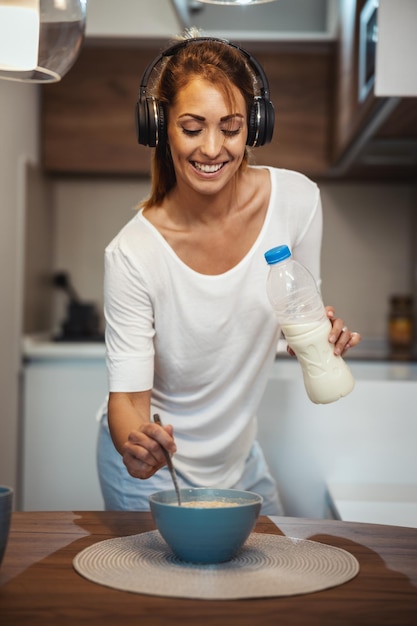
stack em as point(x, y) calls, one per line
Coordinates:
point(169, 52)
point(150, 116)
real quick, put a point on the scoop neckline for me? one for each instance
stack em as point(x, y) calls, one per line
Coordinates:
point(244, 260)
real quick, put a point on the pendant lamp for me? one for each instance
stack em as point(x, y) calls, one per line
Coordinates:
point(40, 39)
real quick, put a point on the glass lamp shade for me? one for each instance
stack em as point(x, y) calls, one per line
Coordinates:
point(56, 43)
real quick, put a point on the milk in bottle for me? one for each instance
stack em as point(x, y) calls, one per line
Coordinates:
point(297, 303)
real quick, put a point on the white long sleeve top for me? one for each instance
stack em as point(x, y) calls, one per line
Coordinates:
point(203, 343)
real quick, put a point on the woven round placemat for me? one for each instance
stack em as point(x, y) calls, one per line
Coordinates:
point(267, 565)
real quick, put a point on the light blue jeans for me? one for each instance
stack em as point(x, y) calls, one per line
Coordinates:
point(122, 492)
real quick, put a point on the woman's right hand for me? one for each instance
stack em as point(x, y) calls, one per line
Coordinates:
point(143, 453)
point(139, 441)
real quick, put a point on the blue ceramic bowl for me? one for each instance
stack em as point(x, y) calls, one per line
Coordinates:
point(6, 501)
point(203, 533)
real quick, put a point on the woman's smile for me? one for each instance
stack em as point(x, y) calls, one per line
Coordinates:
point(207, 168)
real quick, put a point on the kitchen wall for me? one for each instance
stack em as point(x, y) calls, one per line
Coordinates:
point(18, 145)
point(368, 243)
point(366, 254)
point(39, 232)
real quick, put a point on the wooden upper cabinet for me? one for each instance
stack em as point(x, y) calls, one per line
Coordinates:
point(374, 137)
point(88, 124)
point(350, 112)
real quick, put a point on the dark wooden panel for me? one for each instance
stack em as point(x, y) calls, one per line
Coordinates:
point(402, 123)
point(88, 118)
point(301, 82)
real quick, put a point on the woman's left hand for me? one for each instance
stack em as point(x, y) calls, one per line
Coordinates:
point(340, 335)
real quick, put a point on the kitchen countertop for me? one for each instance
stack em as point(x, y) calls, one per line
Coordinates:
point(41, 344)
point(368, 361)
point(41, 347)
point(371, 351)
point(362, 369)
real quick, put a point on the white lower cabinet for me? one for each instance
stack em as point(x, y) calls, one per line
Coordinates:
point(362, 444)
point(61, 397)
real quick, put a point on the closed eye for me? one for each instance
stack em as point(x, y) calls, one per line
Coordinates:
point(231, 133)
point(225, 131)
point(191, 133)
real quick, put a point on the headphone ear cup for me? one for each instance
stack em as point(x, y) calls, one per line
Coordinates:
point(147, 121)
point(162, 122)
point(261, 123)
point(150, 122)
point(253, 122)
point(269, 122)
point(142, 129)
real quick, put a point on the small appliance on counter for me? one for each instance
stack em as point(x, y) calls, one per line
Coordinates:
point(82, 322)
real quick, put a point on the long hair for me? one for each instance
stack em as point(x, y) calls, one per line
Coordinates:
point(217, 63)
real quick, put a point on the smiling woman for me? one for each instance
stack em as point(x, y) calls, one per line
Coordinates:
point(190, 333)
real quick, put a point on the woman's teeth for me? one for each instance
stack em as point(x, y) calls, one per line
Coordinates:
point(206, 168)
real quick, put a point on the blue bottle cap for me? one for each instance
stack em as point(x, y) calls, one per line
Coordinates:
point(275, 255)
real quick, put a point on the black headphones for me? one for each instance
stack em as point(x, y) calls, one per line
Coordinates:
point(150, 115)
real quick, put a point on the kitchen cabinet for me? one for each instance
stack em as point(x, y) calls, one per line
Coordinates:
point(397, 49)
point(64, 386)
point(374, 137)
point(350, 111)
point(384, 503)
point(364, 443)
point(324, 127)
point(88, 124)
point(360, 448)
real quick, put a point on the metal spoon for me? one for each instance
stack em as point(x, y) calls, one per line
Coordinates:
point(170, 464)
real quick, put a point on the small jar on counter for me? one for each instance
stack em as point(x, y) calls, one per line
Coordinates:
point(401, 327)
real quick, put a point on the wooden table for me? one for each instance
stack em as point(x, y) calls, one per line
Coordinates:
point(38, 585)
